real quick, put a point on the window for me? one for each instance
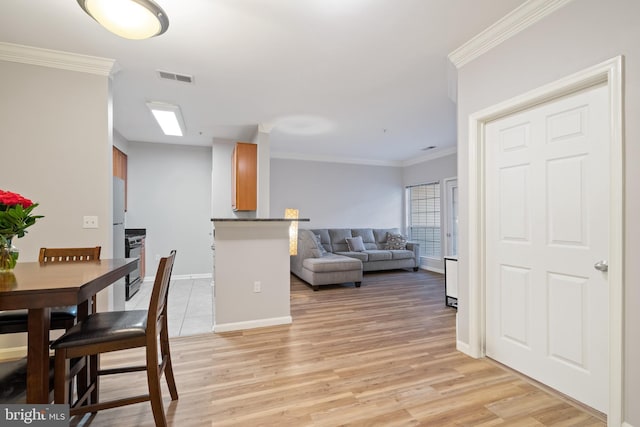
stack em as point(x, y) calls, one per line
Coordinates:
point(424, 218)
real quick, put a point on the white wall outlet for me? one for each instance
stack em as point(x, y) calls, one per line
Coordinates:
point(257, 287)
point(90, 222)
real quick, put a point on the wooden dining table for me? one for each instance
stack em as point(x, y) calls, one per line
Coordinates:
point(40, 286)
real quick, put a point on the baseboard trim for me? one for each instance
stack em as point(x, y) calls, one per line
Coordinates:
point(434, 269)
point(183, 277)
point(192, 276)
point(13, 353)
point(464, 348)
point(252, 324)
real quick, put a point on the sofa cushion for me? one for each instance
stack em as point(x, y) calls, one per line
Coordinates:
point(338, 238)
point(402, 254)
point(321, 249)
point(332, 262)
point(368, 238)
point(355, 244)
point(324, 238)
point(362, 256)
point(396, 241)
point(378, 255)
point(381, 235)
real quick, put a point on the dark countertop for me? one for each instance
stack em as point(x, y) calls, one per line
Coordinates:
point(135, 232)
point(260, 219)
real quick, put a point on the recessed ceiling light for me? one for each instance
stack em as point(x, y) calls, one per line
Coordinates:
point(168, 117)
point(131, 19)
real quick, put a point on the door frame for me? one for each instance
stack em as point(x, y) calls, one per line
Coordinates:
point(609, 73)
point(446, 210)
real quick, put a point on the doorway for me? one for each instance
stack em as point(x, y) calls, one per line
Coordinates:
point(608, 74)
point(547, 307)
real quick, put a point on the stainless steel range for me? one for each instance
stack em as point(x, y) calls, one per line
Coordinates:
point(133, 248)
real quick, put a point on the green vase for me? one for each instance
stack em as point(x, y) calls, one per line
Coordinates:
point(8, 255)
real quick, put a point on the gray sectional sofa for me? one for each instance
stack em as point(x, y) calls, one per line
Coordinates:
point(340, 255)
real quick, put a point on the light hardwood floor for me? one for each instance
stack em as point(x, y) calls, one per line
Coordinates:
point(381, 355)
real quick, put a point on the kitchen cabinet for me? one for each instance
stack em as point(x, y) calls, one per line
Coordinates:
point(244, 177)
point(120, 170)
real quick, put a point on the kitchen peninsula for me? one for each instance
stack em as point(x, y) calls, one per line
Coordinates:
point(251, 273)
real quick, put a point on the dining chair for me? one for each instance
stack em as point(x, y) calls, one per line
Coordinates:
point(15, 321)
point(50, 255)
point(120, 330)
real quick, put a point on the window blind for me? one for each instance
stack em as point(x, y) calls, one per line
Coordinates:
point(424, 218)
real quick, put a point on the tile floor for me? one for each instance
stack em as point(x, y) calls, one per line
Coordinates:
point(190, 305)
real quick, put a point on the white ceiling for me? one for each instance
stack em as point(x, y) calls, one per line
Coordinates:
point(357, 79)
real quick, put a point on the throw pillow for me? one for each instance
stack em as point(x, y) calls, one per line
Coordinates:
point(355, 244)
point(396, 241)
point(321, 248)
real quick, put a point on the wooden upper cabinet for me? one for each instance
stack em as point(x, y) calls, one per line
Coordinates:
point(120, 170)
point(244, 177)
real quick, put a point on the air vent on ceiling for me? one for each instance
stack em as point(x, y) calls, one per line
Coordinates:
point(174, 76)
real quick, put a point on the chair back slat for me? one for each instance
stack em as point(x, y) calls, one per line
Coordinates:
point(50, 255)
point(158, 302)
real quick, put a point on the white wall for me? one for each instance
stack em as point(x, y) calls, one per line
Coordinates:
point(120, 142)
point(169, 194)
point(436, 170)
point(237, 305)
point(262, 139)
point(579, 35)
point(222, 152)
point(431, 171)
point(338, 194)
point(56, 150)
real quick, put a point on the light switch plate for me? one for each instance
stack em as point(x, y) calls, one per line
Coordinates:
point(90, 222)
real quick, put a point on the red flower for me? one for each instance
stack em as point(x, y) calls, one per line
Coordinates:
point(15, 215)
point(8, 199)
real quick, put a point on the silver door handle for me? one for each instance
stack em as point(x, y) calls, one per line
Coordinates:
point(601, 266)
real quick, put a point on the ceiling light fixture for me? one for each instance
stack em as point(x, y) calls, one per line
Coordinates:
point(168, 117)
point(131, 19)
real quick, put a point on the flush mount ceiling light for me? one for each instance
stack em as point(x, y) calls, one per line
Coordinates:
point(131, 19)
point(168, 117)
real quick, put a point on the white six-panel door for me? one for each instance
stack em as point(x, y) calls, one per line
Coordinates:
point(547, 181)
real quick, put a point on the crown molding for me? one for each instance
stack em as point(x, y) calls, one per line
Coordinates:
point(57, 59)
point(367, 162)
point(431, 156)
point(334, 159)
point(511, 24)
